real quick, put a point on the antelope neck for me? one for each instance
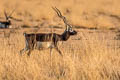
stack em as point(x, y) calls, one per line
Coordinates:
point(65, 36)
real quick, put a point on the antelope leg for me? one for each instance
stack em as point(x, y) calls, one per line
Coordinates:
point(29, 52)
point(58, 51)
point(23, 50)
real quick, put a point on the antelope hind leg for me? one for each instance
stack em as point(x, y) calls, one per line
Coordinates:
point(23, 50)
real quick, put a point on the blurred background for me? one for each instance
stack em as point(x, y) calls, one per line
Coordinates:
point(87, 13)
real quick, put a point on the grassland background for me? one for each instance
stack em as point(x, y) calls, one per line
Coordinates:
point(97, 13)
point(90, 55)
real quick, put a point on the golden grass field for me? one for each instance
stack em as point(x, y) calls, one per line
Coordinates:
point(92, 54)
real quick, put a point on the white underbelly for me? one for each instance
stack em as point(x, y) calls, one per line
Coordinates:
point(41, 45)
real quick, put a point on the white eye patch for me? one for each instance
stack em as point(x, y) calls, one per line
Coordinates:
point(70, 30)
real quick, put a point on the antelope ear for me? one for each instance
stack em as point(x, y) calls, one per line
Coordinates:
point(5, 15)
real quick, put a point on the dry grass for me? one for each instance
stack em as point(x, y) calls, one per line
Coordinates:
point(94, 57)
point(91, 55)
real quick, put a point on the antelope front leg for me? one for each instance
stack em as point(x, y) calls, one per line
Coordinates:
point(58, 51)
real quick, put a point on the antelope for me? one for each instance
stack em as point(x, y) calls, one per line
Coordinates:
point(39, 40)
point(7, 23)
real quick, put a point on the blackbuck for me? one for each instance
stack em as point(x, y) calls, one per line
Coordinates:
point(7, 22)
point(47, 40)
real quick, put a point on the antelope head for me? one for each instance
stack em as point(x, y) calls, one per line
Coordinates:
point(68, 26)
point(9, 17)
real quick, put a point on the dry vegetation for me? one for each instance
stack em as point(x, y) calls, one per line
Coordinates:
point(91, 55)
